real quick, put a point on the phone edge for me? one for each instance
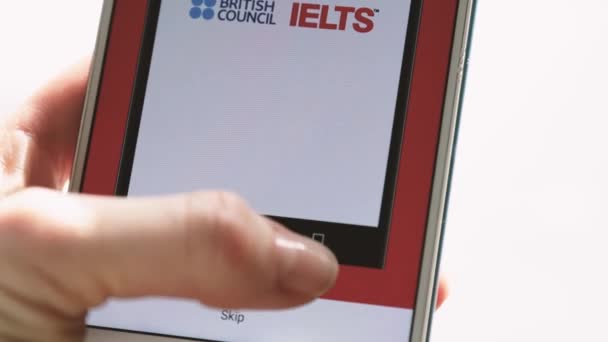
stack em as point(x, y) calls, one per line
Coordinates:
point(425, 299)
point(90, 102)
point(428, 280)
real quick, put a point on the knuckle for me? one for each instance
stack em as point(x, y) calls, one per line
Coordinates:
point(35, 216)
point(223, 210)
point(18, 221)
point(216, 222)
point(17, 216)
point(226, 210)
point(37, 227)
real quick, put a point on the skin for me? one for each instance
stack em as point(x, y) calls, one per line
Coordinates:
point(61, 254)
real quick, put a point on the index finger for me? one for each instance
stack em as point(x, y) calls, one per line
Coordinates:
point(208, 246)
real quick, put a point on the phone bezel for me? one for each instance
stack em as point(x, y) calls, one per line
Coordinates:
point(346, 240)
point(428, 271)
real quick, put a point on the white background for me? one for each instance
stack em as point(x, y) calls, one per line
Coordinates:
point(526, 247)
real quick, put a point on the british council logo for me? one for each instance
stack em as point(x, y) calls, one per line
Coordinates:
point(203, 9)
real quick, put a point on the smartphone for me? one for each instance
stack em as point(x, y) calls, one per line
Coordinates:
point(336, 118)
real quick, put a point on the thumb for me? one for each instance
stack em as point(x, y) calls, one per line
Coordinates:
point(207, 246)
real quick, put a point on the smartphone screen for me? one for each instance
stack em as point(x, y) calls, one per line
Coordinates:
point(298, 107)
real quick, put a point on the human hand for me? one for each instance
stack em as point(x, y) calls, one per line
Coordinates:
point(61, 254)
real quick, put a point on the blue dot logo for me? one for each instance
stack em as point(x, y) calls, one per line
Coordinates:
point(203, 9)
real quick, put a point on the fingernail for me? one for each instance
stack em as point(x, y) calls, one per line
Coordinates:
point(306, 266)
